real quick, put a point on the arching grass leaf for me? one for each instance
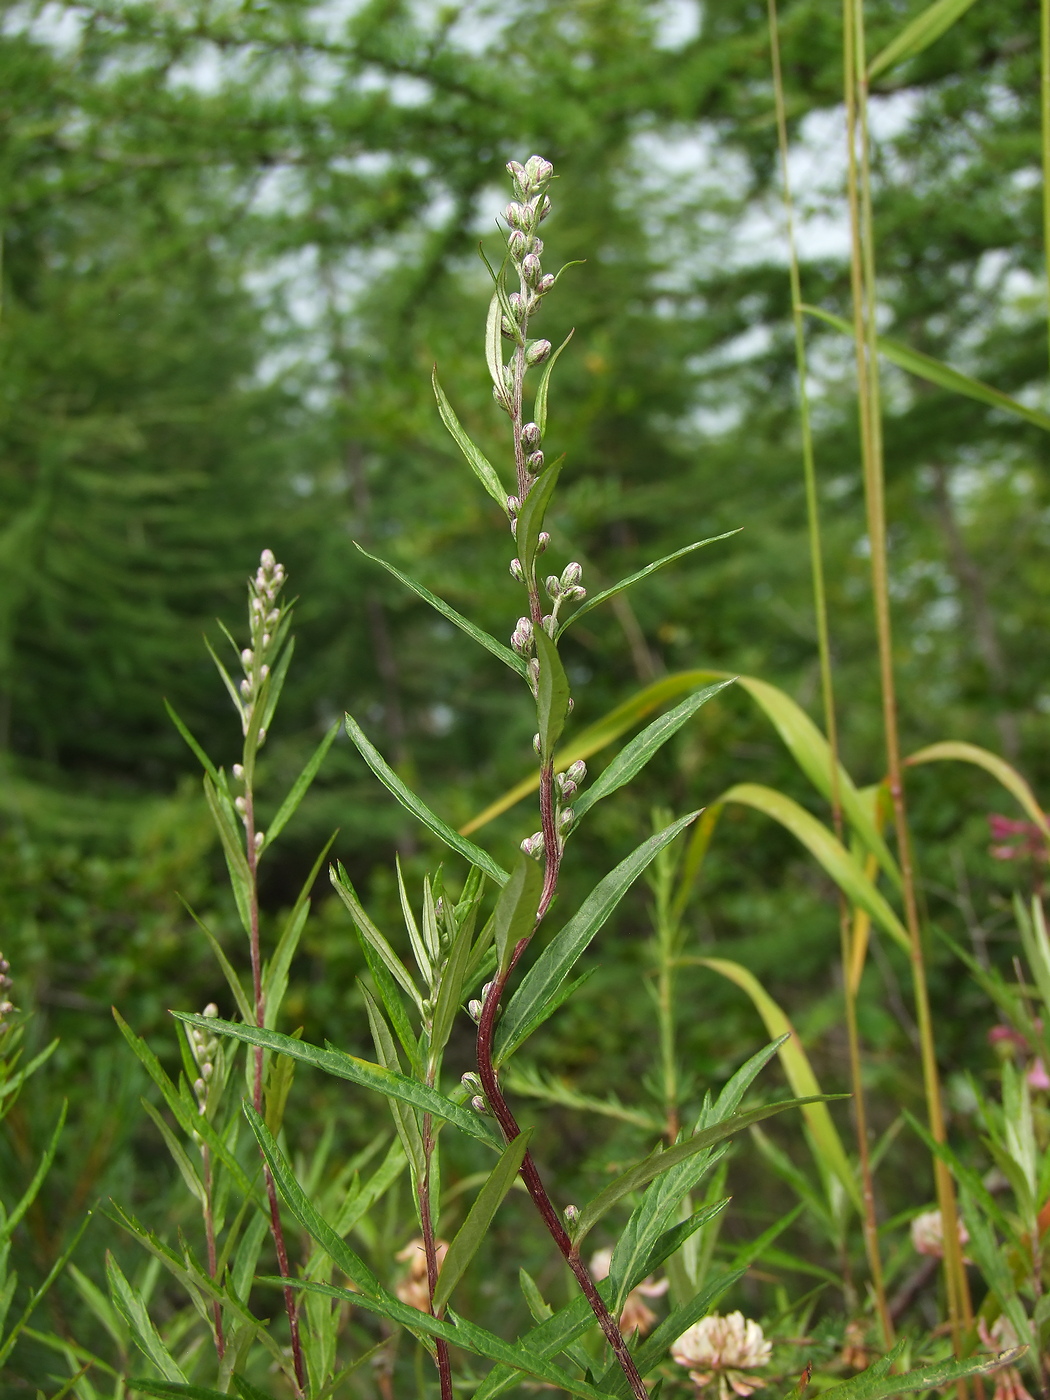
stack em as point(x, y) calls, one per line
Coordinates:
point(918, 34)
point(991, 763)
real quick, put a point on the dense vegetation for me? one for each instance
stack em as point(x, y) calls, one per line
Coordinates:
point(236, 239)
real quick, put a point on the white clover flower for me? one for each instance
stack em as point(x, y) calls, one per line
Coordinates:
point(721, 1349)
point(927, 1234)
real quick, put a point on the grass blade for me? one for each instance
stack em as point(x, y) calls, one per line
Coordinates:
point(918, 35)
point(871, 1386)
point(418, 807)
point(472, 630)
point(991, 763)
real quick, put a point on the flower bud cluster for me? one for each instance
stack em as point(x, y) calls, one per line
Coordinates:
point(567, 588)
point(205, 1050)
point(265, 615)
point(566, 785)
point(523, 215)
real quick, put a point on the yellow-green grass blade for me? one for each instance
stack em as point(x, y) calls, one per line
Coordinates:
point(1004, 772)
point(919, 34)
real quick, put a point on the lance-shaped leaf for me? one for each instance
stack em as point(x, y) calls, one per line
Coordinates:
point(633, 757)
point(405, 1119)
point(515, 913)
point(919, 34)
point(418, 807)
point(935, 372)
point(608, 593)
point(454, 976)
point(233, 981)
point(195, 748)
point(474, 1229)
point(799, 1072)
point(363, 1072)
point(134, 1312)
point(275, 975)
point(552, 694)
point(877, 1384)
point(32, 1190)
point(540, 412)
point(545, 978)
point(394, 1007)
point(476, 633)
point(494, 347)
point(662, 1160)
point(821, 843)
point(169, 1390)
point(476, 459)
point(530, 516)
point(370, 934)
point(299, 788)
point(642, 1247)
point(236, 860)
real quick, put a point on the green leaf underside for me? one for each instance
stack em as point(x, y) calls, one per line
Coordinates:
point(408, 799)
point(871, 1386)
point(627, 582)
point(476, 459)
point(660, 1161)
point(541, 984)
point(936, 372)
point(927, 27)
point(633, 757)
point(483, 638)
point(552, 695)
point(516, 908)
point(474, 1229)
point(530, 516)
point(363, 1072)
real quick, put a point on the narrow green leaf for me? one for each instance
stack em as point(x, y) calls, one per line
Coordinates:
point(821, 843)
point(540, 411)
point(935, 372)
point(476, 633)
point(247, 1391)
point(232, 980)
point(194, 747)
point(234, 693)
point(919, 34)
point(452, 980)
point(543, 1012)
point(474, 1229)
point(633, 757)
point(664, 1159)
point(826, 1142)
point(32, 1190)
point(274, 683)
point(404, 1114)
point(299, 788)
point(552, 695)
point(236, 860)
point(37, 1295)
point(190, 1174)
point(133, 1310)
point(363, 1072)
point(370, 934)
point(478, 462)
point(607, 593)
point(546, 976)
point(870, 1386)
point(275, 974)
point(418, 807)
point(187, 1118)
point(515, 914)
point(530, 516)
point(394, 1007)
point(1003, 772)
point(167, 1390)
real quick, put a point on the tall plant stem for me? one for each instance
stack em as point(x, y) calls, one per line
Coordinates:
point(209, 1233)
point(259, 1001)
point(862, 277)
point(871, 1234)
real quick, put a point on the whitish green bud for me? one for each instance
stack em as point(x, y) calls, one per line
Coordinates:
point(518, 305)
point(533, 845)
point(521, 638)
point(246, 657)
point(238, 771)
point(474, 1010)
point(471, 1081)
point(537, 745)
point(576, 772)
point(571, 575)
point(537, 352)
point(543, 541)
point(566, 819)
point(478, 1104)
point(260, 837)
point(545, 283)
point(535, 462)
point(517, 215)
point(531, 269)
point(530, 435)
point(538, 173)
point(517, 245)
point(572, 1216)
point(516, 571)
point(553, 586)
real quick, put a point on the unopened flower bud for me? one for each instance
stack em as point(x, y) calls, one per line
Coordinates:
point(211, 1011)
point(238, 771)
point(533, 674)
point(517, 215)
point(516, 170)
point(246, 688)
point(531, 269)
point(534, 462)
point(545, 283)
point(530, 435)
point(471, 1081)
point(543, 541)
point(516, 571)
point(247, 657)
point(474, 1010)
point(241, 804)
point(538, 172)
point(266, 559)
point(571, 575)
point(544, 209)
point(260, 837)
point(572, 1216)
point(577, 771)
point(566, 819)
point(273, 617)
point(265, 639)
point(537, 352)
point(566, 787)
point(553, 585)
point(570, 705)
point(262, 736)
point(550, 625)
point(517, 244)
point(537, 745)
point(513, 504)
point(517, 305)
point(533, 845)
point(264, 671)
point(478, 1104)
point(521, 638)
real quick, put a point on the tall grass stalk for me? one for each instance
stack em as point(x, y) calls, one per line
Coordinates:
point(820, 608)
point(862, 280)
